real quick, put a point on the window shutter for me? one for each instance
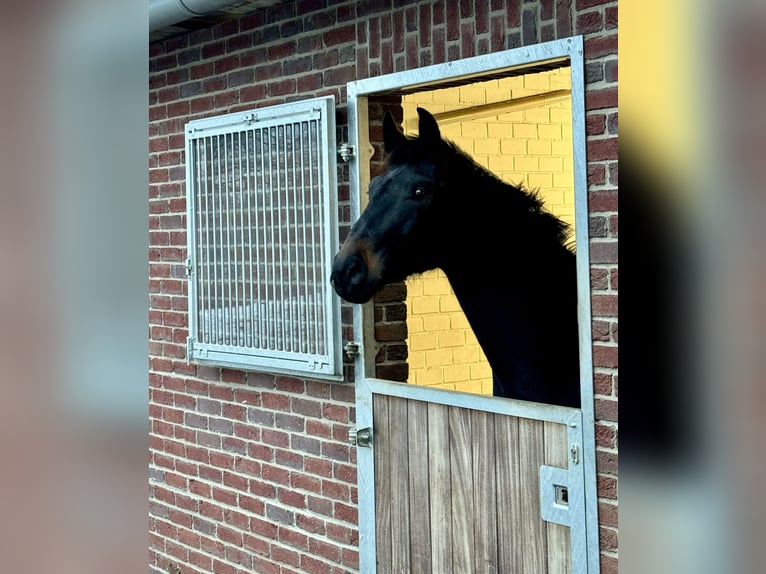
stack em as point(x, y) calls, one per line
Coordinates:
point(262, 231)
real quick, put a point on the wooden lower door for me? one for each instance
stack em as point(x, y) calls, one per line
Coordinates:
point(460, 489)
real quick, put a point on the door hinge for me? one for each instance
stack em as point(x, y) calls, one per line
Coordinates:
point(351, 349)
point(346, 151)
point(361, 437)
point(188, 267)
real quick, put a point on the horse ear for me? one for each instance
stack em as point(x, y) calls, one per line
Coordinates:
point(392, 137)
point(428, 129)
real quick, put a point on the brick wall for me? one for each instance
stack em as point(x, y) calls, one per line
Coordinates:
point(252, 472)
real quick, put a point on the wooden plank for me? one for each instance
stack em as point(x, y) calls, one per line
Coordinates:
point(485, 491)
point(440, 489)
point(461, 476)
point(420, 515)
point(508, 498)
point(531, 457)
point(559, 536)
point(381, 452)
point(400, 496)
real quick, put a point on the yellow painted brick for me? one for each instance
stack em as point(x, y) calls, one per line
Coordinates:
point(451, 131)
point(514, 146)
point(482, 160)
point(424, 305)
point(551, 164)
point(539, 82)
point(566, 131)
point(472, 94)
point(474, 129)
point(430, 376)
point(512, 83)
point(486, 387)
point(434, 285)
point(539, 147)
point(568, 163)
point(439, 357)
point(499, 130)
point(561, 80)
point(510, 119)
point(497, 94)
point(449, 339)
point(561, 114)
point(549, 131)
point(468, 354)
point(539, 180)
point(458, 321)
point(447, 96)
point(469, 387)
point(525, 164)
point(481, 371)
point(487, 147)
point(416, 361)
point(551, 196)
point(456, 373)
point(562, 148)
point(424, 341)
point(528, 131)
point(414, 286)
point(449, 305)
point(415, 324)
point(539, 115)
point(436, 322)
point(562, 180)
point(499, 163)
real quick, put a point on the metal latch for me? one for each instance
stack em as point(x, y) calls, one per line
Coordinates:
point(555, 491)
point(361, 437)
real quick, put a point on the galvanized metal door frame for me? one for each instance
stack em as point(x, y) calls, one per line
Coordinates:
point(478, 67)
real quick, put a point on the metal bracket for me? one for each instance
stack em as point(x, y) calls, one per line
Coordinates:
point(352, 349)
point(361, 437)
point(346, 151)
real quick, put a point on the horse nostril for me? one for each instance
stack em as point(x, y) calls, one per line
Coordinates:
point(356, 270)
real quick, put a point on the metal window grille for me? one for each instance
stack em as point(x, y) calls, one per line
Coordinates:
point(262, 222)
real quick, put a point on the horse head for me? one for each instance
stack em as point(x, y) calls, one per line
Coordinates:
point(398, 232)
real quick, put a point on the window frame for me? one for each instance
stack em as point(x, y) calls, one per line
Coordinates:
point(325, 363)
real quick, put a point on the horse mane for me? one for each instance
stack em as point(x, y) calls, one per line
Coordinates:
point(517, 198)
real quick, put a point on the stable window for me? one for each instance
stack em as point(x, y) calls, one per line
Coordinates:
point(262, 226)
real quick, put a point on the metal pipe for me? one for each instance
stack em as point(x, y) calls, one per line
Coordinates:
point(164, 13)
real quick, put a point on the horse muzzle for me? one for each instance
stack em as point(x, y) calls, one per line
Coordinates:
point(355, 275)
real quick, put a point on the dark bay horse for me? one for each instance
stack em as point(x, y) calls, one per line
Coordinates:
point(505, 256)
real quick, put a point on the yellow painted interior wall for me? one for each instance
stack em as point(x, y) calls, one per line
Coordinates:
point(532, 147)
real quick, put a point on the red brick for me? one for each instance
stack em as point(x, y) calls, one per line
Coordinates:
point(346, 513)
point(325, 550)
point(339, 35)
point(602, 201)
point(600, 99)
point(602, 149)
point(608, 564)
point(600, 46)
point(589, 22)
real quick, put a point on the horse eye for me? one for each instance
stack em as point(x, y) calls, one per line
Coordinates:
point(419, 192)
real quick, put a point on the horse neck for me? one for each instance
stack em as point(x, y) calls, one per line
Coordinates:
point(498, 221)
point(505, 260)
